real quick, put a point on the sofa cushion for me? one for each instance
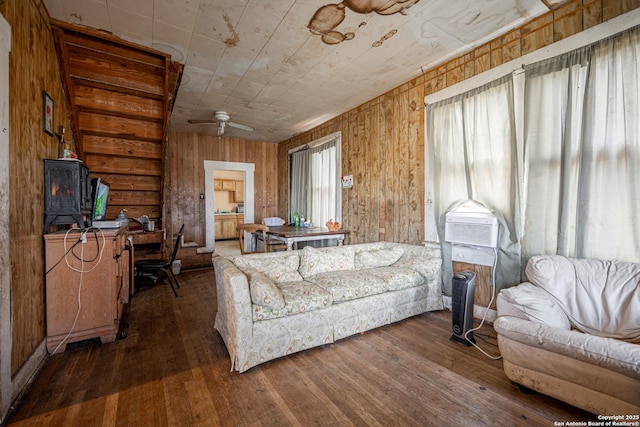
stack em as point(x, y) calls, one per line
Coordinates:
point(299, 297)
point(280, 268)
point(599, 297)
point(397, 278)
point(348, 285)
point(426, 261)
point(264, 291)
point(378, 258)
point(532, 303)
point(316, 261)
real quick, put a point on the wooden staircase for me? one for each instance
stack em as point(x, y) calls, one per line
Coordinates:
point(119, 98)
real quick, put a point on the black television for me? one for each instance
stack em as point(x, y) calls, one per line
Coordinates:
point(100, 196)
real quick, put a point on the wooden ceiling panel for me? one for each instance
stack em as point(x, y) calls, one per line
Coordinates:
point(106, 164)
point(99, 69)
point(118, 95)
point(132, 183)
point(111, 125)
point(118, 103)
point(122, 147)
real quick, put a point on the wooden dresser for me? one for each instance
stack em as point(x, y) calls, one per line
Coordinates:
point(101, 284)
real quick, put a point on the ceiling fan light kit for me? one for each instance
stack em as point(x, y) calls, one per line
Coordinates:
point(222, 118)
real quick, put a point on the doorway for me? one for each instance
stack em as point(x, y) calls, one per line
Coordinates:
point(8, 386)
point(229, 210)
point(210, 167)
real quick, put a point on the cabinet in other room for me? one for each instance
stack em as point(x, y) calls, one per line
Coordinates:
point(224, 185)
point(238, 196)
point(225, 225)
point(101, 283)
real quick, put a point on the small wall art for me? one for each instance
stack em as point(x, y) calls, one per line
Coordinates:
point(347, 181)
point(47, 113)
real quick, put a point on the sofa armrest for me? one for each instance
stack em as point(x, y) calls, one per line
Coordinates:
point(610, 353)
point(234, 316)
point(529, 302)
point(426, 261)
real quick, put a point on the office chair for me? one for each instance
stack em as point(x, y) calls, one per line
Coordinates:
point(154, 266)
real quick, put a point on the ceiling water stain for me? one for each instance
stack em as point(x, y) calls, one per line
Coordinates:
point(235, 39)
point(328, 17)
point(383, 38)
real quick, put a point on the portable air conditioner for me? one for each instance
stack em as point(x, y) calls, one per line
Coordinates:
point(471, 224)
point(463, 288)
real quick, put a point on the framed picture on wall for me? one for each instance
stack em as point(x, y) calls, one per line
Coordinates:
point(47, 113)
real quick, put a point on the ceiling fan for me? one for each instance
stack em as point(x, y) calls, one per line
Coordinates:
point(222, 118)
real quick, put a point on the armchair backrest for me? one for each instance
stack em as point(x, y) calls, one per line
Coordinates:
point(599, 297)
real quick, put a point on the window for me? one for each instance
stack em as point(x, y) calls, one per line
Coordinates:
point(582, 152)
point(557, 155)
point(315, 191)
point(471, 138)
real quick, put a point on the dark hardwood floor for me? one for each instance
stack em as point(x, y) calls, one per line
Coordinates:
point(172, 369)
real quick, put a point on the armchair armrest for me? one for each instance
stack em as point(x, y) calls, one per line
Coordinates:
point(529, 302)
point(610, 353)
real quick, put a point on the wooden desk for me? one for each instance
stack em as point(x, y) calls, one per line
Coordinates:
point(292, 235)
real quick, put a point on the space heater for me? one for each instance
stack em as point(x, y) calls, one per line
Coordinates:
point(463, 289)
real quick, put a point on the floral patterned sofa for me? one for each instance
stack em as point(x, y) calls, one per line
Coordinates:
point(278, 303)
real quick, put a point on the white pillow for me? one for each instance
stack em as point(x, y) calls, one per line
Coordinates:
point(378, 258)
point(264, 292)
point(599, 297)
point(534, 304)
point(278, 266)
point(273, 221)
point(315, 261)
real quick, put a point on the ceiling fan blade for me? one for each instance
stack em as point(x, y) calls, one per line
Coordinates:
point(197, 122)
point(239, 126)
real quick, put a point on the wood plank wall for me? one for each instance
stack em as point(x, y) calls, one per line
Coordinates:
point(33, 67)
point(186, 171)
point(383, 148)
point(383, 139)
point(118, 96)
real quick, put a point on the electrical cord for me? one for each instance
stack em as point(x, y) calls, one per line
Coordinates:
point(82, 271)
point(486, 339)
point(95, 235)
point(484, 316)
point(62, 257)
point(83, 239)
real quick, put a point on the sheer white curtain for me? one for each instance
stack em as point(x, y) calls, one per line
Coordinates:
point(471, 141)
point(610, 178)
point(300, 177)
point(554, 96)
point(583, 152)
point(324, 184)
point(315, 181)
